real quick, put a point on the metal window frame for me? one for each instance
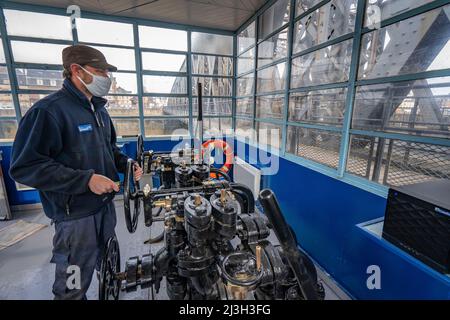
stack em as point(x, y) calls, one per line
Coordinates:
point(352, 84)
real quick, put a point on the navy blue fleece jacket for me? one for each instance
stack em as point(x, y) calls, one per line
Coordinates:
point(60, 143)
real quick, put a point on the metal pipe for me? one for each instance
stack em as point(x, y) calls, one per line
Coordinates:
point(200, 119)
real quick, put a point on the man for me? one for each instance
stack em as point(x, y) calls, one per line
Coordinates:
point(66, 148)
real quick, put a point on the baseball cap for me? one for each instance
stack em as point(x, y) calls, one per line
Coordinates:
point(85, 55)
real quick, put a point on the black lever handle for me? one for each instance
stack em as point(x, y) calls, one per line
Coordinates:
point(288, 243)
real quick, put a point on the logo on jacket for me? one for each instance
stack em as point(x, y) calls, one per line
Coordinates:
point(85, 127)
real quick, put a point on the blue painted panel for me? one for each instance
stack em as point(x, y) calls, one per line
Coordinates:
point(325, 212)
point(15, 197)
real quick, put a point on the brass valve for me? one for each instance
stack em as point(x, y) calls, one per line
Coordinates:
point(258, 258)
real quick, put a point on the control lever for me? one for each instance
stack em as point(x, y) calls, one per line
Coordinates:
point(288, 244)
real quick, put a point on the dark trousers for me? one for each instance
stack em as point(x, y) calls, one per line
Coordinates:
point(79, 245)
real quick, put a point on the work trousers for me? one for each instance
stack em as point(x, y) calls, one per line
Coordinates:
point(78, 248)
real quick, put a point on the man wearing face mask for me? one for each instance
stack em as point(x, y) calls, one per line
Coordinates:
point(65, 147)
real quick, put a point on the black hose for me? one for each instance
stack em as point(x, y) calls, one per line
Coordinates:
point(219, 172)
point(289, 245)
point(244, 192)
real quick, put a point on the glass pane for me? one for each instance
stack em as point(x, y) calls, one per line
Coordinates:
point(217, 126)
point(396, 162)
point(212, 65)
point(244, 128)
point(213, 86)
point(166, 106)
point(8, 129)
point(270, 106)
point(331, 21)
point(123, 59)
point(246, 61)
point(159, 38)
point(269, 134)
point(274, 18)
point(35, 79)
point(35, 52)
point(418, 44)
point(244, 107)
point(272, 78)
point(247, 37)
point(273, 49)
point(245, 85)
point(123, 83)
point(38, 25)
point(379, 10)
point(7, 106)
point(322, 106)
point(4, 79)
point(126, 127)
point(212, 43)
point(305, 5)
point(419, 107)
point(165, 84)
point(166, 127)
point(327, 65)
point(163, 62)
point(26, 101)
point(2, 54)
point(316, 145)
point(123, 106)
point(213, 106)
point(105, 32)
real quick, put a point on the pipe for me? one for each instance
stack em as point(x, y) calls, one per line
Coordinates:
point(245, 191)
point(288, 244)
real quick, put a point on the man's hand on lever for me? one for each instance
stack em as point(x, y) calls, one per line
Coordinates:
point(100, 184)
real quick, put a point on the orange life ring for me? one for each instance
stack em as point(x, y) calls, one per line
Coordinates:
point(227, 151)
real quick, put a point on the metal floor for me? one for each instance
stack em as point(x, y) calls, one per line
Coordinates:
point(26, 271)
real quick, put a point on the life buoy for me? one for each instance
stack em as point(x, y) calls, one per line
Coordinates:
point(210, 145)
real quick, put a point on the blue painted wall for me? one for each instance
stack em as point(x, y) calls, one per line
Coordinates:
point(324, 213)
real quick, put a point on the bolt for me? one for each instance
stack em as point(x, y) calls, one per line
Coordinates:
point(258, 257)
point(197, 200)
point(223, 196)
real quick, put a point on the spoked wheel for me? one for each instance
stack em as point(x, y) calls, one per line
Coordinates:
point(140, 150)
point(130, 193)
point(109, 283)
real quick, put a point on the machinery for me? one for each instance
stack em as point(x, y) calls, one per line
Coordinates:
point(217, 246)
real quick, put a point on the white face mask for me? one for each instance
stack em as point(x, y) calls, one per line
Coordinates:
point(99, 86)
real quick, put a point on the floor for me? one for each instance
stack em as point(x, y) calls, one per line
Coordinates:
point(25, 271)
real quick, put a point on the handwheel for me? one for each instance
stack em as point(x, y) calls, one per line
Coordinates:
point(140, 150)
point(130, 192)
point(109, 284)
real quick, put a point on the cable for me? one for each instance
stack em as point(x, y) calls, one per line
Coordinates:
point(219, 172)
